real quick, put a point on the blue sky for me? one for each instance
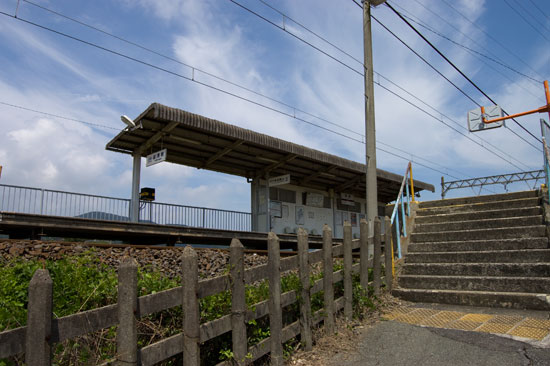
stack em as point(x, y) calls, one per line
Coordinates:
point(47, 72)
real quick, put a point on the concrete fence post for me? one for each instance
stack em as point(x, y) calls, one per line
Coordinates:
point(348, 291)
point(305, 303)
point(191, 316)
point(275, 310)
point(238, 302)
point(364, 254)
point(327, 279)
point(388, 254)
point(127, 304)
point(38, 348)
point(377, 254)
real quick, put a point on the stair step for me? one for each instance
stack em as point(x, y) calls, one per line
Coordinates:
point(476, 283)
point(494, 256)
point(483, 206)
point(479, 234)
point(479, 224)
point(478, 269)
point(480, 245)
point(512, 300)
point(480, 199)
point(479, 215)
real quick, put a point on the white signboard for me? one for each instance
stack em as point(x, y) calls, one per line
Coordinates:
point(155, 158)
point(280, 180)
point(346, 196)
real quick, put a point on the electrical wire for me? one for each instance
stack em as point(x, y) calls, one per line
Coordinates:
point(526, 9)
point(182, 76)
point(479, 56)
point(386, 78)
point(490, 58)
point(240, 86)
point(463, 75)
point(540, 10)
point(490, 36)
point(527, 21)
point(91, 124)
point(189, 79)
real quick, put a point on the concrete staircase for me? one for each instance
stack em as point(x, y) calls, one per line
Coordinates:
point(480, 251)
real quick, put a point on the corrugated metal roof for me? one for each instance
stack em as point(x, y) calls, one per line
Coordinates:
point(206, 143)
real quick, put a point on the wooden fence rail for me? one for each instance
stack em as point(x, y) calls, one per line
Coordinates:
point(42, 331)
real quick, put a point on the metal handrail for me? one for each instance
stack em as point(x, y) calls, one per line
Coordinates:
point(70, 204)
point(400, 201)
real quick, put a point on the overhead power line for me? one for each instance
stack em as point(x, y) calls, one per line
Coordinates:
point(526, 9)
point(198, 82)
point(527, 21)
point(91, 124)
point(540, 10)
point(459, 44)
point(490, 36)
point(461, 73)
point(175, 74)
point(226, 80)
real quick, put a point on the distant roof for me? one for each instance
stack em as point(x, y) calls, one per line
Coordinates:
point(205, 143)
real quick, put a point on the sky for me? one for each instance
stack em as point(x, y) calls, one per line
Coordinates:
point(501, 45)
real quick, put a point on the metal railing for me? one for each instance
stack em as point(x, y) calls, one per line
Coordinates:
point(68, 204)
point(545, 130)
point(404, 193)
point(170, 214)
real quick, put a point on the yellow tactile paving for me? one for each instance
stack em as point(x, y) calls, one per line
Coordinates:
point(464, 325)
point(528, 332)
point(506, 319)
point(536, 329)
point(536, 323)
point(410, 319)
point(479, 318)
point(498, 328)
point(424, 312)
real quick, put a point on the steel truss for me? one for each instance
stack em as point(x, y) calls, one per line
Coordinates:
point(503, 179)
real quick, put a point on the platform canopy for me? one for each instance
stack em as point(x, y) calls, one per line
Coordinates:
point(205, 143)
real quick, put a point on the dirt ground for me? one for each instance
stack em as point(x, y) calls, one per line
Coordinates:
point(344, 340)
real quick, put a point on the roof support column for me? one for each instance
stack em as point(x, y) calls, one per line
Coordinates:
point(268, 204)
point(134, 202)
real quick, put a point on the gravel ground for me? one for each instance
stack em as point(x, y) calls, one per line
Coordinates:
point(212, 262)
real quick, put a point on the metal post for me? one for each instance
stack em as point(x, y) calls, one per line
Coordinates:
point(267, 208)
point(136, 173)
point(370, 130)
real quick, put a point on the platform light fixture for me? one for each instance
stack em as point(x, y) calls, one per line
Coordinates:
point(128, 121)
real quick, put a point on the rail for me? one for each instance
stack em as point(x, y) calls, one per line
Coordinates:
point(401, 225)
point(41, 201)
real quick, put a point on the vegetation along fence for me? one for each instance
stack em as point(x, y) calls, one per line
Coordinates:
point(42, 332)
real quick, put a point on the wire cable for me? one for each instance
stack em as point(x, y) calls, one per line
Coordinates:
point(490, 58)
point(462, 73)
point(527, 21)
point(204, 84)
point(91, 124)
point(540, 10)
point(526, 9)
point(490, 36)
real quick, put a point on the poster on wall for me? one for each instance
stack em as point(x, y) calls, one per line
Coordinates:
point(300, 219)
point(353, 219)
point(285, 211)
point(345, 216)
point(339, 218)
point(314, 199)
point(275, 209)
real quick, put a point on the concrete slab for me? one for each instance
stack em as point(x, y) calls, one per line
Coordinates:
point(393, 343)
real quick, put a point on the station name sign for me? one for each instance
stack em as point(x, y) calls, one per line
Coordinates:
point(155, 158)
point(280, 180)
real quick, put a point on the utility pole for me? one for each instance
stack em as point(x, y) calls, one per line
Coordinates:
point(370, 129)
